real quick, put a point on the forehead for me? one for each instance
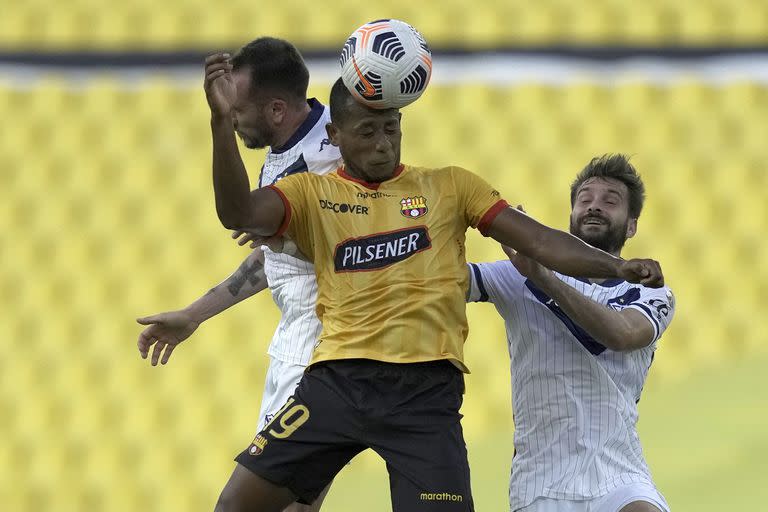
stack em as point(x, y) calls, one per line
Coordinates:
point(360, 115)
point(242, 79)
point(599, 185)
point(245, 95)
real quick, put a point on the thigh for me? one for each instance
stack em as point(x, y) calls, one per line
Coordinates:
point(246, 491)
point(421, 440)
point(280, 384)
point(307, 442)
point(637, 497)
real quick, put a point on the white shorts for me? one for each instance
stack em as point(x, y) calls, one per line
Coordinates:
point(614, 501)
point(282, 379)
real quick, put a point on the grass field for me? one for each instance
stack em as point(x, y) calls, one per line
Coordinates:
point(704, 438)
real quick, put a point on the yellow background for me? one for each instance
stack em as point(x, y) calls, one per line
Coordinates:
point(107, 214)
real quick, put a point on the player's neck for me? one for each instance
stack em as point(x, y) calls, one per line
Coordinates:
point(294, 118)
point(361, 175)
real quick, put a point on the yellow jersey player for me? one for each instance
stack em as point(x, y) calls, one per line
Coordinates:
point(387, 241)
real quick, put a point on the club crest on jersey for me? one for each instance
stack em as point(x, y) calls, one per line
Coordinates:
point(258, 444)
point(413, 207)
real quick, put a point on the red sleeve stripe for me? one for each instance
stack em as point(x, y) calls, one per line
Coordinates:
point(491, 214)
point(287, 216)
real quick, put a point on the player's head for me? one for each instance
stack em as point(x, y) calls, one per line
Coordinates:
point(271, 79)
point(368, 139)
point(606, 200)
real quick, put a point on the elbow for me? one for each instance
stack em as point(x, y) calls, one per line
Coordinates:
point(615, 343)
point(623, 341)
point(231, 219)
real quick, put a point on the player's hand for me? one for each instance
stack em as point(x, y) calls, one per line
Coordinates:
point(643, 271)
point(219, 85)
point(164, 331)
point(243, 237)
point(280, 244)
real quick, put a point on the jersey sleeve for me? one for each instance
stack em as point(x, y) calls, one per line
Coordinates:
point(296, 191)
point(658, 306)
point(492, 282)
point(480, 202)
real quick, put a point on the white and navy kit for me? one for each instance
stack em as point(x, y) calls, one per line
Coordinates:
point(292, 280)
point(574, 400)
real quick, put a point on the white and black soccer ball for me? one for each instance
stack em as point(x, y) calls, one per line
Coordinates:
point(386, 64)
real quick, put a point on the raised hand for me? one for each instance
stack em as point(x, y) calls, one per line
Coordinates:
point(218, 84)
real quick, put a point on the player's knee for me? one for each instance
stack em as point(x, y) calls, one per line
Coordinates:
point(640, 506)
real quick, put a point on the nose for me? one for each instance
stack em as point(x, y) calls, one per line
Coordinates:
point(383, 143)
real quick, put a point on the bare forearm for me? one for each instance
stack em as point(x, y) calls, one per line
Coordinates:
point(555, 249)
point(611, 328)
point(248, 280)
point(230, 178)
point(569, 255)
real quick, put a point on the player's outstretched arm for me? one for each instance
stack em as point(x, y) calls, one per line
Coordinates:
point(167, 330)
point(260, 212)
point(567, 254)
point(623, 330)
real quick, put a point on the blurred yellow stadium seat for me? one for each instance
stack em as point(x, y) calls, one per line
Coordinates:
point(115, 219)
point(142, 24)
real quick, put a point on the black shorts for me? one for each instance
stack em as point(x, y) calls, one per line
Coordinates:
point(407, 413)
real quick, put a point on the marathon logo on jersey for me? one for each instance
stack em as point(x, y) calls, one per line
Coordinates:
point(381, 250)
point(258, 444)
point(373, 195)
point(343, 207)
point(413, 207)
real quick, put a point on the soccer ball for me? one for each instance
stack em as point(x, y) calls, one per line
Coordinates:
point(386, 64)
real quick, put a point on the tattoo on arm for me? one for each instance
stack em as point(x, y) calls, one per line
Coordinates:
point(250, 271)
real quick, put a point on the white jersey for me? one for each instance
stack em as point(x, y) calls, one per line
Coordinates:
point(291, 280)
point(574, 401)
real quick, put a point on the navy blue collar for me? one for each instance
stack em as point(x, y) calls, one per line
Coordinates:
point(308, 124)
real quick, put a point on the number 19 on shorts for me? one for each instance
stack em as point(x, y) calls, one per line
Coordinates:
point(288, 419)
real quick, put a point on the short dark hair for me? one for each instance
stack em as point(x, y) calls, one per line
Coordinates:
point(275, 66)
point(617, 167)
point(340, 101)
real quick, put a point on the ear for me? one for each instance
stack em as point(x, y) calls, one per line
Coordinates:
point(276, 110)
point(631, 228)
point(333, 133)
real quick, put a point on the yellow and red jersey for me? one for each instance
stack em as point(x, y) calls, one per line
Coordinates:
point(389, 259)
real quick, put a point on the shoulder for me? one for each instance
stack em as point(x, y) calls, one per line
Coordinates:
point(496, 279)
point(663, 293)
point(438, 172)
point(450, 177)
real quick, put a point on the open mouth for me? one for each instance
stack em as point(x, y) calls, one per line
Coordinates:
point(594, 221)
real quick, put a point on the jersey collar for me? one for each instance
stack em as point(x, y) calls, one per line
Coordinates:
point(309, 123)
point(373, 186)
